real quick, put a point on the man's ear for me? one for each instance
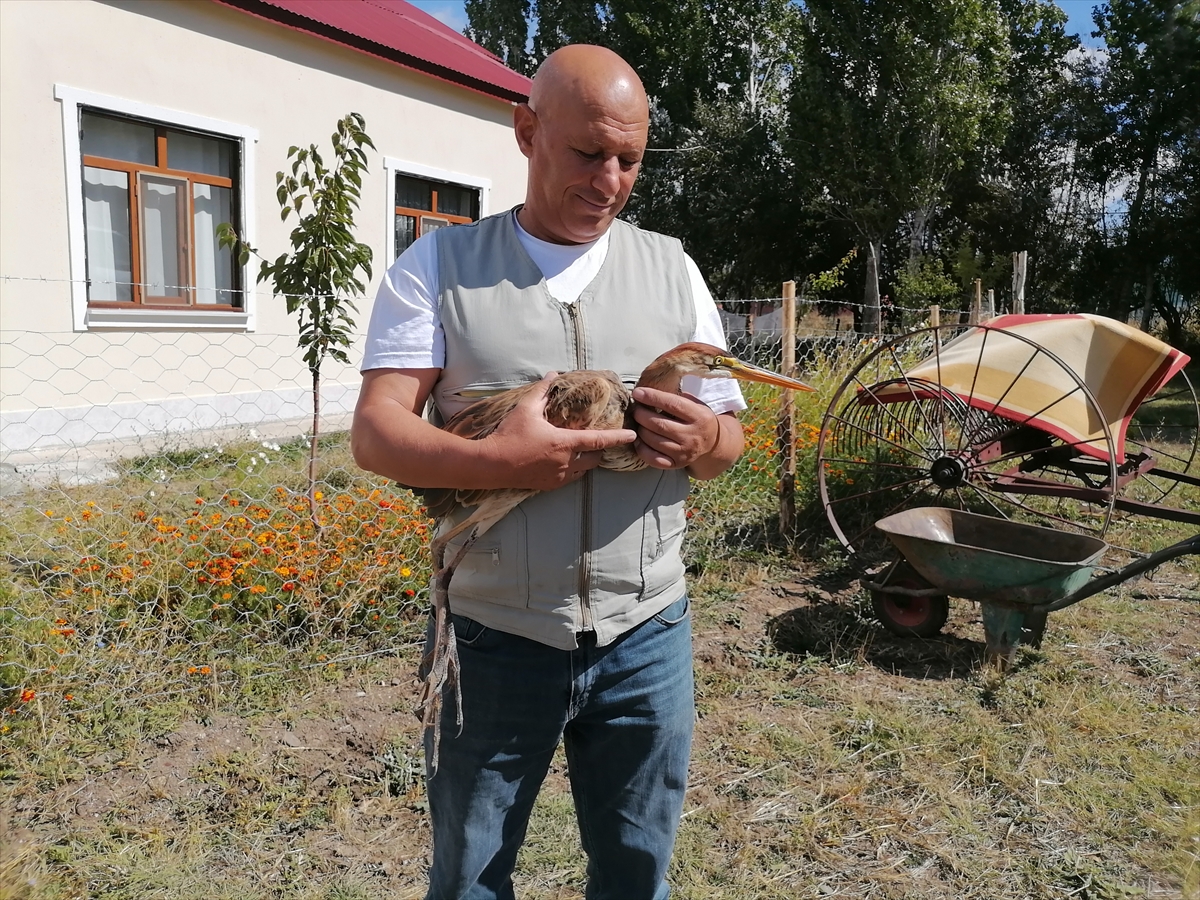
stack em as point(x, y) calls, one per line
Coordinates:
point(525, 125)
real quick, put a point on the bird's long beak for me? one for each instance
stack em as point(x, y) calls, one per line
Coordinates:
point(749, 372)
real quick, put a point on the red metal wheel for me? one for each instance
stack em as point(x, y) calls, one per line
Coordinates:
point(911, 616)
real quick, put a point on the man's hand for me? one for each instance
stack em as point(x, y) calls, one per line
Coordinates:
point(674, 430)
point(529, 452)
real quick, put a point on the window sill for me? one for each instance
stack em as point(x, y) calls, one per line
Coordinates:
point(166, 319)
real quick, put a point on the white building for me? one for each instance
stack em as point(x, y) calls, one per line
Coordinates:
point(130, 130)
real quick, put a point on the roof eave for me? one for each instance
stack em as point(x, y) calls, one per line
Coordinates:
point(298, 22)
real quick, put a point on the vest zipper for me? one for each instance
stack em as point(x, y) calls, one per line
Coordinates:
point(585, 532)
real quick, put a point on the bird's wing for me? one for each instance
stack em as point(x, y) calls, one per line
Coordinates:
point(474, 422)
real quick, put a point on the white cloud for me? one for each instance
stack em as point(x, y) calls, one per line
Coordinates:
point(448, 12)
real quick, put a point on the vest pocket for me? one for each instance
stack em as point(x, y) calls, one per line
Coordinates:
point(664, 524)
point(496, 568)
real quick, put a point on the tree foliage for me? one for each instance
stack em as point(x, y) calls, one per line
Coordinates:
point(326, 268)
point(939, 136)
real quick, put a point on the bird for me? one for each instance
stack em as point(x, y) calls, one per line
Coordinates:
point(583, 400)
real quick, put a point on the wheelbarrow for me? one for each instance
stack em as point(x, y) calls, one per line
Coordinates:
point(1018, 573)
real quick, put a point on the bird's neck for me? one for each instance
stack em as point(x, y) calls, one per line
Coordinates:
point(661, 377)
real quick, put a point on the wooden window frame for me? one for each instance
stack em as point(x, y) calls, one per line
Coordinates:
point(393, 167)
point(161, 167)
point(435, 213)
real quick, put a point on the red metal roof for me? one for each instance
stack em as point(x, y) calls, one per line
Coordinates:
point(397, 31)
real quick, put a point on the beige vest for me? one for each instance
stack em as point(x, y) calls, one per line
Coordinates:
point(602, 554)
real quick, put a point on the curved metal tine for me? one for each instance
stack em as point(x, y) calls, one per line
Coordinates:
point(1074, 523)
point(867, 530)
point(1009, 388)
point(883, 406)
point(880, 437)
point(881, 490)
point(868, 462)
point(920, 411)
point(1032, 416)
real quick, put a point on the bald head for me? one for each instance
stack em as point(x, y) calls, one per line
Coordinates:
point(584, 132)
point(590, 75)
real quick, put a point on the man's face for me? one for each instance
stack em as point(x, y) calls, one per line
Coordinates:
point(583, 160)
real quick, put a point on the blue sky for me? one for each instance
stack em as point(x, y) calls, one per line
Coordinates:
point(1079, 15)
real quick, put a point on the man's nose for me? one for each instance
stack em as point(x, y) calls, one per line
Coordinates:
point(607, 177)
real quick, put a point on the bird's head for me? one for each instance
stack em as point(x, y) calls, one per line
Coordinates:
point(707, 361)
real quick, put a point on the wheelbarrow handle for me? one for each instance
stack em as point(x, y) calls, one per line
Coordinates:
point(1184, 548)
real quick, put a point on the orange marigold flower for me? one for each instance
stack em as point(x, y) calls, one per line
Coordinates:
point(28, 694)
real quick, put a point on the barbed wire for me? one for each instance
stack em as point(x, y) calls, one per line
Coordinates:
point(239, 292)
point(807, 303)
point(242, 292)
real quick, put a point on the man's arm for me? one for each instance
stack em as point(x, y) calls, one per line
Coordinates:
point(677, 431)
point(389, 437)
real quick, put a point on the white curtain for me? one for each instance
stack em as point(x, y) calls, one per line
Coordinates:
point(106, 212)
point(214, 265)
point(160, 237)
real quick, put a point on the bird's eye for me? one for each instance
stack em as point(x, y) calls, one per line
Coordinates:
point(719, 362)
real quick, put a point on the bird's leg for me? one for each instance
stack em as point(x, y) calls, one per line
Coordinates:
point(441, 664)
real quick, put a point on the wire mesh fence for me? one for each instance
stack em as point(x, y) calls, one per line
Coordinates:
point(168, 551)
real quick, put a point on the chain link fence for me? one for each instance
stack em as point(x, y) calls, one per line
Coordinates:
point(164, 553)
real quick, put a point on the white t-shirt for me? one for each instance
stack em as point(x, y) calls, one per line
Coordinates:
point(405, 331)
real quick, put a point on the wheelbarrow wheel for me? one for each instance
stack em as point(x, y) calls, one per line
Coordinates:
point(911, 616)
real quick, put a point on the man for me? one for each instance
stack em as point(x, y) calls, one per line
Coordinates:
point(570, 613)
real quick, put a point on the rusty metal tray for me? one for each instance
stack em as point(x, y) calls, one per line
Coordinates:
point(985, 558)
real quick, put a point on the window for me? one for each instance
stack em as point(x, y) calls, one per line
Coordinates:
point(153, 196)
point(424, 205)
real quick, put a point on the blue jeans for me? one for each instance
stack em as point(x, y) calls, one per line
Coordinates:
point(625, 713)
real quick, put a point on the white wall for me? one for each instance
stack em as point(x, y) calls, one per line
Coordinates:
point(60, 385)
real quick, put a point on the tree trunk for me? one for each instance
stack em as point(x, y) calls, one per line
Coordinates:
point(1148, 298)
point(1133, 229)
point(312, 453)
point(870, 317)
point(918, 224)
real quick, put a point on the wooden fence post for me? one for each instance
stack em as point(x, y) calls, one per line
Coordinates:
point(977, 304)
point(935, 321)
point(989, 309)
point(787, 417)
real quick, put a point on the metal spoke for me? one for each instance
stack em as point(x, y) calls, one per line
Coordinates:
point(1074, 523)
